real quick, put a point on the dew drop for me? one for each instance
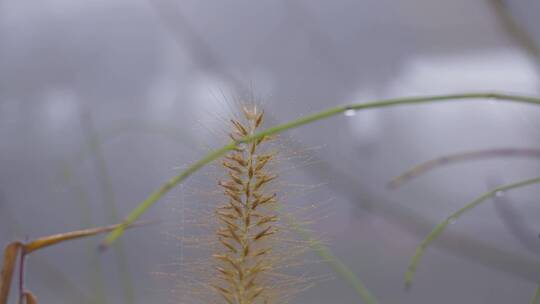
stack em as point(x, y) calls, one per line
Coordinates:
point(350, 112)
point(452, 220)
point(499, 193)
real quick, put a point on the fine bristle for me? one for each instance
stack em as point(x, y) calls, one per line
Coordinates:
point(241, 243)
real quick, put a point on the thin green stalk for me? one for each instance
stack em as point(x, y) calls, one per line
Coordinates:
point(213, 155)
point(432, 164)
point(339, 267)
point(536, 297)
point(345, 272)
point(436, 232)
point(98, 293)
point(108, 197)
point(156, 195)
point(130, 126)
point(516, 30)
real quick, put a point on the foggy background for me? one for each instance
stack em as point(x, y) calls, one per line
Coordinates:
point(103, 101)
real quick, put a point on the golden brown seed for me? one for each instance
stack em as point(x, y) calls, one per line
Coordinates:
point(261, 164)
point(263, 157)
point(247, 190)
point(229, 185)
point(231, 247)
point(263, 233)
point(256, 214)
point(236, 139)
point(236, 157)
point(224, 271)
point(224, 292)
point(250, 284)
point(234, 196)
point(250, 172)
point(249, 114)
point(221, 289)
point(259, 267)
point(264, 180)
point(264, 200)
point(226, 215)
point(261, 252)
point(223, 234)
point(237, 210)
point(240, 273)
point(239, 127)
point(257, 292)
point(267, 219)
point(234, 235)
point(221, 257)
point(236, 178)
point(229, 223)
point(227, 259)
point(259, 119)
point(232, 167)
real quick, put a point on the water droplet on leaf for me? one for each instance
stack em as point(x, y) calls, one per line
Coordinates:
point(350, 112)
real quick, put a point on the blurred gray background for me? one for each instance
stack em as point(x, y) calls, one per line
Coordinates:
point(102, 101)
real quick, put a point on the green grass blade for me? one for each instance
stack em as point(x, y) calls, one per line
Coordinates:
point(427, 166)
point(339, 267)
point(436, 232)
point(213, 155)
point(109, 201)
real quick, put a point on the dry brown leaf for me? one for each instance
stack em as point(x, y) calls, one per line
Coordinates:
point(29, 297)
point(61, 237)
point(12, 252)
point(10, 260)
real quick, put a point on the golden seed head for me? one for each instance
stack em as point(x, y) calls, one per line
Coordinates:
point(242, 262)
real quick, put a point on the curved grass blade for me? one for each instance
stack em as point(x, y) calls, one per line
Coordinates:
point(213, 155)
point(514, 29)
point(337, 265)
point(438, 162)
point(436, 232)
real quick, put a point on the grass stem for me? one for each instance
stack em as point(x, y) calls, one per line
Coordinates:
point(213, 155)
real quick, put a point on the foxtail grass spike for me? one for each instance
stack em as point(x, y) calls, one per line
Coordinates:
point(247, 220)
